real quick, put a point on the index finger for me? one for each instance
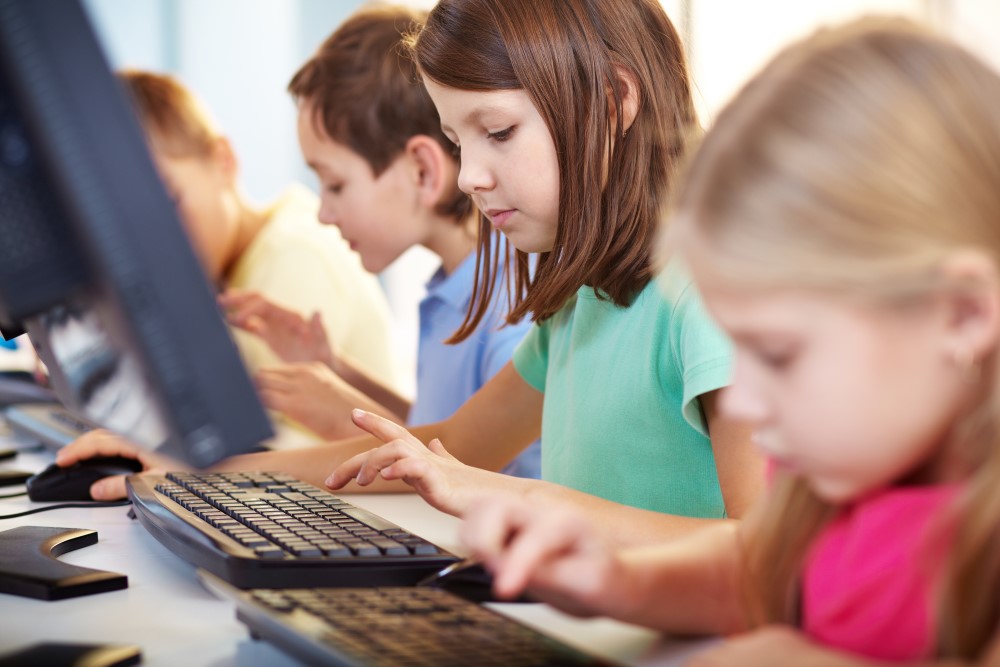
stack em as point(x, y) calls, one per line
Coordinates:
point(380, 427)
point(98, 442)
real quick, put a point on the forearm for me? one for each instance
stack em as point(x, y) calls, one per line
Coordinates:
point(620, 525)
point(689, 586)
point(373, 389)
point(314, 464)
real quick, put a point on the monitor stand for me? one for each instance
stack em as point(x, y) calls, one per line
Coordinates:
point(28, 565)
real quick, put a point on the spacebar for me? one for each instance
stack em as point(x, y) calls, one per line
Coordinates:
point(366, 517)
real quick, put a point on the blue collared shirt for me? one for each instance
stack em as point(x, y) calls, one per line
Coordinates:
point(447, 375)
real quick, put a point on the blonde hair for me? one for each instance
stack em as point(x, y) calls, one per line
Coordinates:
point(853, 164)
point(175, 122)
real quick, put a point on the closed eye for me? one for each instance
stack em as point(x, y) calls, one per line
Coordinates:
point(501, 136)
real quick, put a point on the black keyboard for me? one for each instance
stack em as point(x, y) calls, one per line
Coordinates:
point(269, 530)
point(394, 626)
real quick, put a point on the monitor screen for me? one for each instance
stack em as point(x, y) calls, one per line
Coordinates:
point(94, 263)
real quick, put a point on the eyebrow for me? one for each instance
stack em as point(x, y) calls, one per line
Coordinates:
point(476, 115)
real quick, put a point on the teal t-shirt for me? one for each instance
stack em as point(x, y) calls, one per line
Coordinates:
point(621, 419)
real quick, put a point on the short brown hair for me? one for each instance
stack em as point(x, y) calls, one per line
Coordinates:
point(567, 55)
point(367, 95)
point(173, 119)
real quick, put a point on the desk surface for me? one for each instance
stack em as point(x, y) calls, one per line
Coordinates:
point(175, 621)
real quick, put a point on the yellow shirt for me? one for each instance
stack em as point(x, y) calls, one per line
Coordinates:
point(307, 267)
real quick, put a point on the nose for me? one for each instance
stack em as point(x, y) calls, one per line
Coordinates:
point(474, 176)
point(327, 214)
point(743, 399)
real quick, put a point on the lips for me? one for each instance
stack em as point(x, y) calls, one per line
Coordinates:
point(499, 216)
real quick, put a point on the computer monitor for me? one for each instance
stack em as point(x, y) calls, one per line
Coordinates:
point(94, 263)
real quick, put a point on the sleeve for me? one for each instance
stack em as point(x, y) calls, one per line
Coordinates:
point(499, 347)
point(702, 352)
point(531, 356)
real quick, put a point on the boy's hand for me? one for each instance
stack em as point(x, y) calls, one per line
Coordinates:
point(550, 551)
point(291, 336)
point(311, 394)
point(105, 443)
point(440, 478)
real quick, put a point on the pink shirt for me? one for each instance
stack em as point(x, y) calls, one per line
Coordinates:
point(870, 575)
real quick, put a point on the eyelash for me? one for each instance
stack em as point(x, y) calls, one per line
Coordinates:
point(501, 136)
point(334, 189)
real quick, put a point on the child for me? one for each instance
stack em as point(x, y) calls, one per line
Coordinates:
point(841, 222)
point(279, 250)
point(567, 145)
point(568, 131)
point(387, 176)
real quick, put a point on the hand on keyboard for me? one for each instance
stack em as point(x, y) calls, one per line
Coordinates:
point(551, 551)
point(440, 478)
point(105, 443)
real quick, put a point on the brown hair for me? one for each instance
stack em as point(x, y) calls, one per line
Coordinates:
point(566, 55)
point(854, 164)
point(173, 119)
point(366, 94)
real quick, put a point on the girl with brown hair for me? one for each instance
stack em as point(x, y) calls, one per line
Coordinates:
point(570, 118)
point(841, 222)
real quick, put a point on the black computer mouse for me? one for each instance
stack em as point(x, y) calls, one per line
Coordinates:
point(73, 482)
point(467, 579)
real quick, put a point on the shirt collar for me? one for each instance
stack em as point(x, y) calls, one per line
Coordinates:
point(456, 288)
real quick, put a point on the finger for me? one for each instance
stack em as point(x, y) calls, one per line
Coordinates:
point(489, 525)
point(349, 470)
point(380, 427)
point(539, 543)
point(109, 488)
point(98, 442)
point(274, 380)
point(437, 447)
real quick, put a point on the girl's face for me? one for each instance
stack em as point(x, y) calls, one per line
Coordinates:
point(377, 215)
point(851, 397)
point(508, 161)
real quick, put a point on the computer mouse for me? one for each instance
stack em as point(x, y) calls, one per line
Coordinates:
point(73, 482)
point(467, 579)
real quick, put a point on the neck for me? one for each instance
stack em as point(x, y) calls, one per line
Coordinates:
point(251, 219)
point(452, 242)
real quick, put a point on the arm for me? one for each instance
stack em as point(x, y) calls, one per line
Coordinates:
point(443, 480)
point(316, 397)
point(293, 338)
point(781, 646)
point(496, 423)
point(557, 554)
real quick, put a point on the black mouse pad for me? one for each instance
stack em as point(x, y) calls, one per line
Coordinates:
point(29, 568)
point(52, 654)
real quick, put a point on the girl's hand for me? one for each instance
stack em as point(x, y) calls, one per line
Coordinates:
point(440, 478)
point(550, 551)
point(311, 394)
point(292, 337)
point(105, 443)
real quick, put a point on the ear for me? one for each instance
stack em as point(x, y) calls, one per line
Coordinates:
point(434, 171)
point(225, 159)
point(628, 88)
point(972, 299)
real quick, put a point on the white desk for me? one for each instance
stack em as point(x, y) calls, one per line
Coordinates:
point(175, 621)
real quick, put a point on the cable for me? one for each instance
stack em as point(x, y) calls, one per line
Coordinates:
point(14, 495)
point(62, 506)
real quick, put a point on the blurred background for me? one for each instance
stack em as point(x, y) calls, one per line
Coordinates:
point(238, 56)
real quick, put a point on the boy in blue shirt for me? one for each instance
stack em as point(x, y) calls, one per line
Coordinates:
point(388, 179)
